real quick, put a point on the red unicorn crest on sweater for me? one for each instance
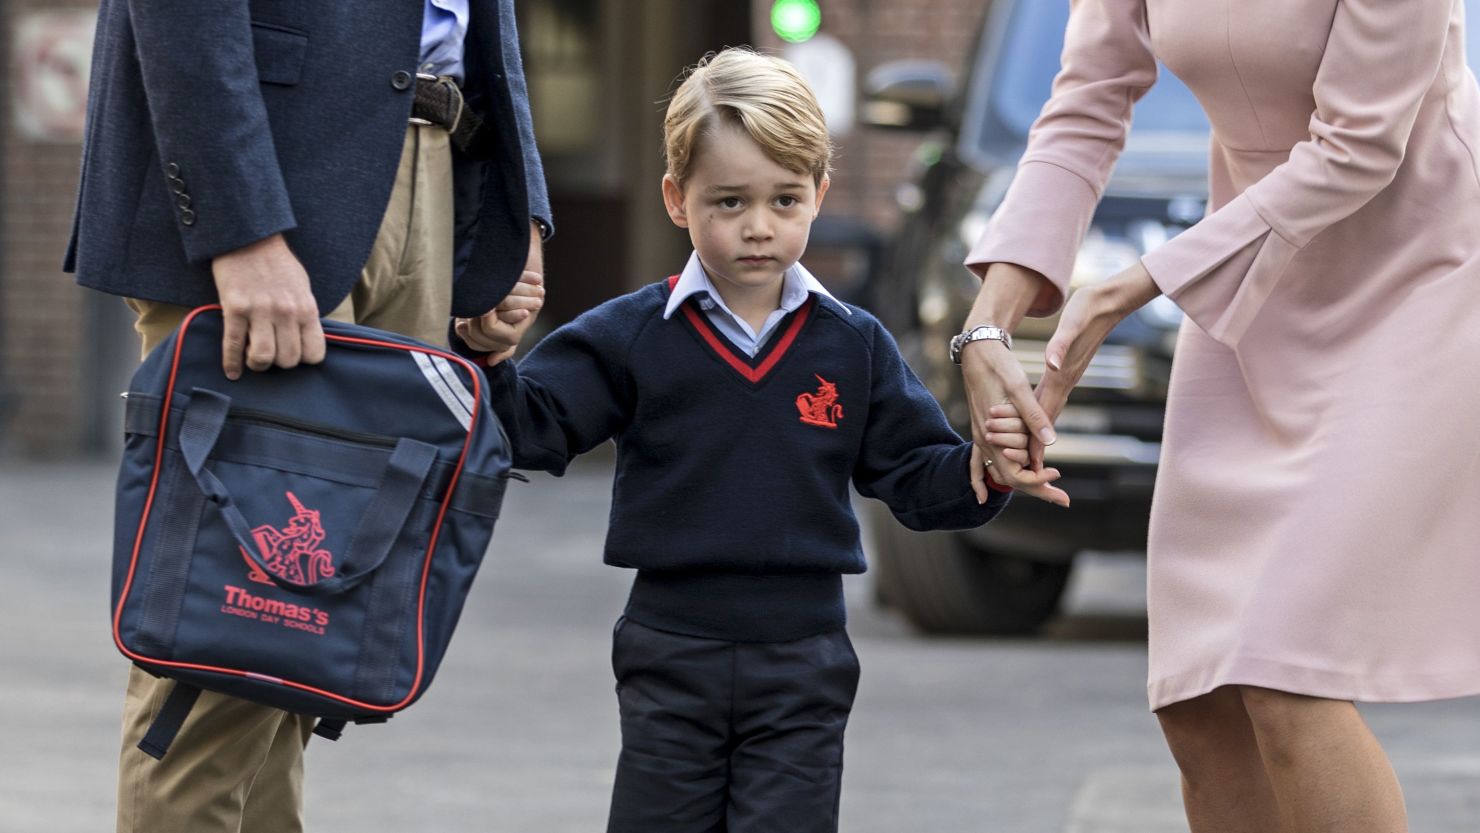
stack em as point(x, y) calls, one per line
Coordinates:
point(821, 408)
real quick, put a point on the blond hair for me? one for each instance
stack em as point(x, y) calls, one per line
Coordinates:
point(760, 94)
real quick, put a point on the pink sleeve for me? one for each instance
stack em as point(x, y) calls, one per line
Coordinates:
point(1380, 61)
point(1107, 67)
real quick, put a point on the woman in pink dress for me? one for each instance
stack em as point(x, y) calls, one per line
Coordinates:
point(1315, 536)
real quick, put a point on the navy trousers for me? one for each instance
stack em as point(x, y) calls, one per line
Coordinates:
point(730, 737)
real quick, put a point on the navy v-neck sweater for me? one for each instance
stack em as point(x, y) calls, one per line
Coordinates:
point(731, 496)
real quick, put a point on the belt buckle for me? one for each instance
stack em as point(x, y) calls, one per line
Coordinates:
point(422, 76)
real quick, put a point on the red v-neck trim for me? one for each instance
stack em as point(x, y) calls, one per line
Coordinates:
point(752, 374)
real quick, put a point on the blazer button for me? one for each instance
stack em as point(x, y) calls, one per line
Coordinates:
point(177, 185)
point(401, 80)
point(172, 170)
point(183, 201)
point(187, 217)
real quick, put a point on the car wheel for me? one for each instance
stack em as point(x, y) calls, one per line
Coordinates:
point(943, 584)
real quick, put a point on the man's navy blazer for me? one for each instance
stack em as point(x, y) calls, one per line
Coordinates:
point(216, 123)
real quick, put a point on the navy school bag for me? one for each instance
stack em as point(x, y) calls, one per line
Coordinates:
point(301, 538)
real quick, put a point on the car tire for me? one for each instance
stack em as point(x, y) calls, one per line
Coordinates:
point(943, 584)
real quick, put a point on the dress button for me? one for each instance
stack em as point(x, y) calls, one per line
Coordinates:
point(172, 170)
point(401, 80)
point(187, 217)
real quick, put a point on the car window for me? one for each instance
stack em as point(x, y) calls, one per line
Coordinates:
point(1029, 59)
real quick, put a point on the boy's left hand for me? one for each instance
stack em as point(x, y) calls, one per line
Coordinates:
point(1006, 451)
point(499, 331)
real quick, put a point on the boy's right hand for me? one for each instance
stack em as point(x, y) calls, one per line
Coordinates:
point(499, 331)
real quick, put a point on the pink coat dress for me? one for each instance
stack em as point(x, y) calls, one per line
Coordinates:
point(1316, 524)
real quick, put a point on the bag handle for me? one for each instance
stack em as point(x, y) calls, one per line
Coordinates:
point(400, 485)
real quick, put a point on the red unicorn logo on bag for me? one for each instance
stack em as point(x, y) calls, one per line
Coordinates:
point(821, 408)
point(292, 552)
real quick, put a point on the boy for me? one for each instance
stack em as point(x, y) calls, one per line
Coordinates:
point(743, 400)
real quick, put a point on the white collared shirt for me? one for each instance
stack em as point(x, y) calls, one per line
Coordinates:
point(796, 284)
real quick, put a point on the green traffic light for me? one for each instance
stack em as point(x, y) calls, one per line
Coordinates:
point(795, 20)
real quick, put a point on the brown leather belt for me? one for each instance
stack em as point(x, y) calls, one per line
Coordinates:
point(439, 102)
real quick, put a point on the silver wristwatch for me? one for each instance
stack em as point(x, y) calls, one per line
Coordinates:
point(985, 331)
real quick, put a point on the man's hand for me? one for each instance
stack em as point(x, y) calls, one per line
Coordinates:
point(535, 262)
point(499, 331)
point(270, 313)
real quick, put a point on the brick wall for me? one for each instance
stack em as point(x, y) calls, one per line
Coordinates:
point(871, 162)
point(44, 318)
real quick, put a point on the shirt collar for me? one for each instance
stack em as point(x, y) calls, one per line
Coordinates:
point(796, 284)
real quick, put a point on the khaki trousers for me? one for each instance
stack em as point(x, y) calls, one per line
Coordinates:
point(236, 766)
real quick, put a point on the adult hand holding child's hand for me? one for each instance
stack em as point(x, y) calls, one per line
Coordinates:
point(499, 331)
point(997, 387)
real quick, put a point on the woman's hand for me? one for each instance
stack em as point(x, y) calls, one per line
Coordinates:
point(994, 379)
point(1088, 317)
point(993, 376)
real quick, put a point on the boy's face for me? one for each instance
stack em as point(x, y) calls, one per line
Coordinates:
point(747, 216)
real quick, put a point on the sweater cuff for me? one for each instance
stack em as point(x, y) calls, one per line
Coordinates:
point(960, 512)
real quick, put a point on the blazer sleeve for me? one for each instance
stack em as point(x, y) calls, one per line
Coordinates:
point(1107, 66)
point(200, 79)
point(534, 169)
point(1381, 59)
point(911, 459)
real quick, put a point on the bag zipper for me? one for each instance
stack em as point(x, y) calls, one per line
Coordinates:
point(272, 420)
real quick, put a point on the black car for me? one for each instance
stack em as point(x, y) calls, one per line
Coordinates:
point(1007, 577)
